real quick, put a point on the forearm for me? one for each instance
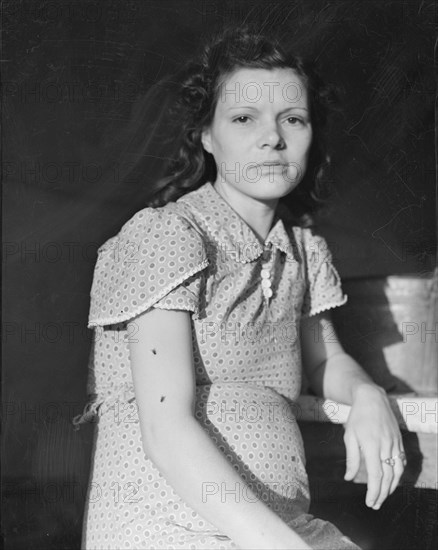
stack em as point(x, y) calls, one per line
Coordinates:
point(340, 378)
point(164, 382)
point(202, 476)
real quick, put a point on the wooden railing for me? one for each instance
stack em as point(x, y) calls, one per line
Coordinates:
point(414, 413)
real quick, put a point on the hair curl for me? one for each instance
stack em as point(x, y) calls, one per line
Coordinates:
point(198, 92)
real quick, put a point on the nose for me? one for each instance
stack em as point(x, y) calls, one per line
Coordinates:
point(271, 137)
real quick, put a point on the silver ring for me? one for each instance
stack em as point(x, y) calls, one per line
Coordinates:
point(391, 460)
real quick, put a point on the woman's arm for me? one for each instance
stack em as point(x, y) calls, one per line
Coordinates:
point(372, 427)
point(164, 382)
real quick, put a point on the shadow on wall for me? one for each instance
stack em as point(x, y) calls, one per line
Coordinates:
point(388, 326)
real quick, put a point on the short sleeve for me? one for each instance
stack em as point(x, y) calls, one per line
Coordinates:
point(155, 260)
point(323, 284)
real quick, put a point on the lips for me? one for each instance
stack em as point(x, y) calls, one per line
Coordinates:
point(271, 166)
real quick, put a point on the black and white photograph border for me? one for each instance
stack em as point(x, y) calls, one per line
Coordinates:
point(86, 96)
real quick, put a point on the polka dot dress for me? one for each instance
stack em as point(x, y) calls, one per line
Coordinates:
point(198, 255)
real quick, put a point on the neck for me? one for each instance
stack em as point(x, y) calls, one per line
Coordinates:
point(258, 214)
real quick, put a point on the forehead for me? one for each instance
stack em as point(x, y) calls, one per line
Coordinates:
point(245, 86)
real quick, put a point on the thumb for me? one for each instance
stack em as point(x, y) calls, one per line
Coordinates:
point(353, 458)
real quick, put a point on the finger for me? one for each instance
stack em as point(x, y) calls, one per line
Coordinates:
point(399, 467)
point(353, 457)
point(386, 481)
point(375, 475)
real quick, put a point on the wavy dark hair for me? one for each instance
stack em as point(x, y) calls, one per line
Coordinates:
point(198, 92)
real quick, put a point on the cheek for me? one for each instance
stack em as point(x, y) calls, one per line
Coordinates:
point(305, 153)
point(307, 144)
point(219, 146)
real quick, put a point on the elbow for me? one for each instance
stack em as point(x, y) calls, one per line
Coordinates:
point(156, 440)
point(161, 438)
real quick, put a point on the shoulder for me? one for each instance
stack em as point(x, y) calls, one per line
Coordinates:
point(309, 242)
point(154, 252)
point(315, 245)
point(151, 229)
point(158, 223)
point(310, 246)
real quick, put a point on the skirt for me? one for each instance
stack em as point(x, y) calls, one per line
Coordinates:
point(130, 505)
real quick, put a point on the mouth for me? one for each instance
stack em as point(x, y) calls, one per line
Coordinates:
point(271, 166)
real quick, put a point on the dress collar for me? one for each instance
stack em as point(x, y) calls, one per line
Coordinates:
point(231, 231)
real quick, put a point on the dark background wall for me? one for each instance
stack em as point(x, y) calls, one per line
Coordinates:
point(75, 74)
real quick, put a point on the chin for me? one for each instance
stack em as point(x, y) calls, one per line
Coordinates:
point(271, 190)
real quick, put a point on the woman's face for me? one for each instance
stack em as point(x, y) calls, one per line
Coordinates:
point(261, 132)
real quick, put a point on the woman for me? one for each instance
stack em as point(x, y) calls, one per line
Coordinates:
point(206, 306)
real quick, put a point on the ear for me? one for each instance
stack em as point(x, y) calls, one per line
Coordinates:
point(206, 140)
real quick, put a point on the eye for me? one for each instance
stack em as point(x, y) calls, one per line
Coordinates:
point(243, 119)
point(293, 120)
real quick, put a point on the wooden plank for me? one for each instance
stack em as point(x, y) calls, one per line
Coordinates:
point(414, 413)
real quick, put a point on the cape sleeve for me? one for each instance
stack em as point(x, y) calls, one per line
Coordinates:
point(154, 261)
point(323, 284)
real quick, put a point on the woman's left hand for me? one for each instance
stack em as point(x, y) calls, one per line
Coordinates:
point(373, 430)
